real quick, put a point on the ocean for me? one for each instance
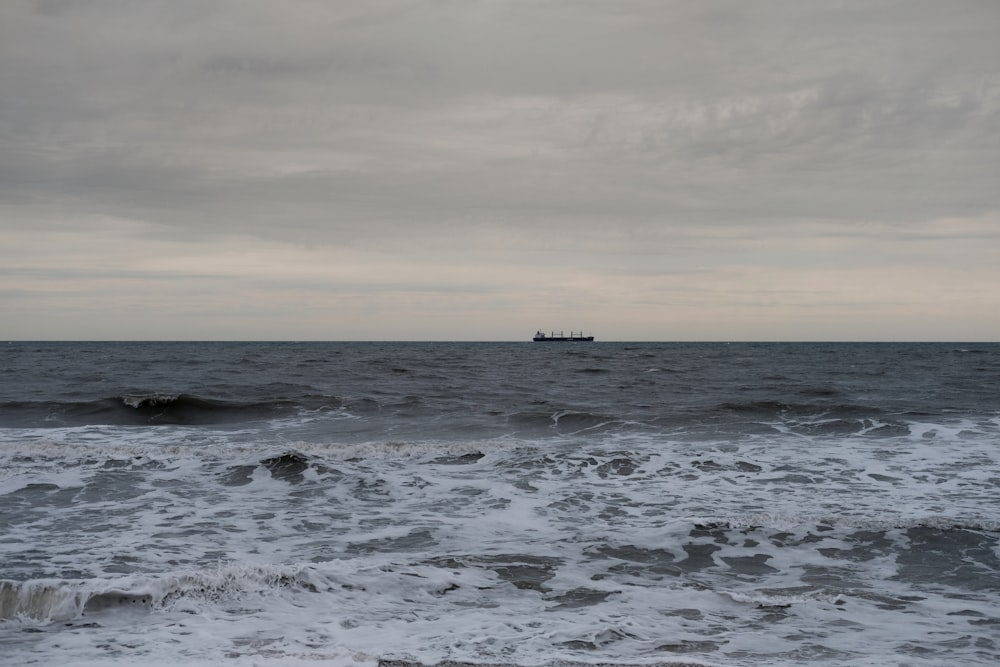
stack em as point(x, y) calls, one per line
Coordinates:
point(363, 504)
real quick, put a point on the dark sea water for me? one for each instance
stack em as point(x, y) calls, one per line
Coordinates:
point(519, 503)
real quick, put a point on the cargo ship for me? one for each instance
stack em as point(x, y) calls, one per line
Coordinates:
point(573, 337)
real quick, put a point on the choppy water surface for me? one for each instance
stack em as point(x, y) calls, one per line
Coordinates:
point(272, 504)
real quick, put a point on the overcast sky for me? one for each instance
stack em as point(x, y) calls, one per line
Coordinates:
point(474, 170)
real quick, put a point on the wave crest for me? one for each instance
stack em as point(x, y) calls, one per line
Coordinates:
point(159, 408)
point(52, 600)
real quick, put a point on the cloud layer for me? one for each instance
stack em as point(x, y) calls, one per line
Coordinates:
point(475, 170)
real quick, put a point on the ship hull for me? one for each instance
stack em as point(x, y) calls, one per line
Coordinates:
point(563, 339)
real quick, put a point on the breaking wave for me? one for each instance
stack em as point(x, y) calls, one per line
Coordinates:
point(146, 409)
point(52, 600)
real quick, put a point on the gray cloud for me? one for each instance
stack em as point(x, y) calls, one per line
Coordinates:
point(612, 142)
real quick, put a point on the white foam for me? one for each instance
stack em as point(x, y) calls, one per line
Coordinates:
point(357, 552)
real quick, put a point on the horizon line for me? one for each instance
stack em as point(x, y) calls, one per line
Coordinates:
point(11, 341)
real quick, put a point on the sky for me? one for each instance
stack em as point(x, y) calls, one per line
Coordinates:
point(477, 170)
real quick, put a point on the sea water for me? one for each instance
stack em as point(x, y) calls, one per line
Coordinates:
point(516, 503)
